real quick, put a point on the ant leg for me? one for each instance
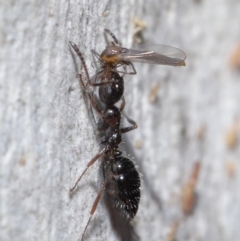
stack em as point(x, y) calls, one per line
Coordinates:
point(93, 102)
point(74, 46)
point(130, 128)
point(94, 207)
point(76, 49)
point(88, 165)
point(122, 104)
point(134, 124)
point(116, 42)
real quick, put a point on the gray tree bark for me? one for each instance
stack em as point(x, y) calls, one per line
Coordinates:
point(47, 138)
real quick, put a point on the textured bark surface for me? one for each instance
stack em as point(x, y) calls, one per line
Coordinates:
point(47, 138)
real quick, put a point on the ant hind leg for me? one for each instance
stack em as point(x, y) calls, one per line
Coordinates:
point(94, 207)
point(88, 165)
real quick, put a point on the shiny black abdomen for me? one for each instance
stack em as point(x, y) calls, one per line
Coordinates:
point(124, 185)
point(111, 93)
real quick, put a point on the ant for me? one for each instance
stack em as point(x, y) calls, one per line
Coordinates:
point(120, 177)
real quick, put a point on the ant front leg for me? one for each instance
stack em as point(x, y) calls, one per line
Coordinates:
point(76, 49)
point(91, 98)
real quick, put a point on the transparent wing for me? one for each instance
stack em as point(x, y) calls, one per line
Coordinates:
point(155, 54)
